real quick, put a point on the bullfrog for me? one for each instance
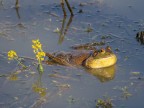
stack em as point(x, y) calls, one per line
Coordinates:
point(93, 59)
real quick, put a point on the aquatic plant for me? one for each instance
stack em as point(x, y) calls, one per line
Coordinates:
point(13, 77)
point(38, 51)
point(125, 92)
point(12, 55)
point(40, 54)
point(106, 103)
point(38, 89)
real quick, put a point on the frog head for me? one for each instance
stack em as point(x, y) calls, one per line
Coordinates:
point(101, 58)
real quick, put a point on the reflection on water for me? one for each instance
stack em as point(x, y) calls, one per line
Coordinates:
point(17, 12)
point(1, 3)
point(104, 74)
point(37, 87)
point(64, 28)
point(17, 4)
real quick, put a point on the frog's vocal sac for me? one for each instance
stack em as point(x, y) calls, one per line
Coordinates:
point(88, 58)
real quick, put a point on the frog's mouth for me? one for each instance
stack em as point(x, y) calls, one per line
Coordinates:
point(101, 62)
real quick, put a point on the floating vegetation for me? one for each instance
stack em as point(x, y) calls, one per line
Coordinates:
point(106, 37)
point(80, 11)
point(106, 103)
point(140, 37)
point(71, 100)
point(38, 89)
point(3, 75)
point(57, 30)
point(135, 73)
point(89, 28)
point(13, 77)
point(125, 93)
point(117, 50)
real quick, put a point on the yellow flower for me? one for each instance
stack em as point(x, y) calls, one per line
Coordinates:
point(35, 41)
point(37, 46)
point(40, 56)
point(12, 54)
point(37, 49)
point(34, 47)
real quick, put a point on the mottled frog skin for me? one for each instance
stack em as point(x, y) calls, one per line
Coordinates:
point(87, 58)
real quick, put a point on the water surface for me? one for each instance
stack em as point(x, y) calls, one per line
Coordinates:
point(116, 20)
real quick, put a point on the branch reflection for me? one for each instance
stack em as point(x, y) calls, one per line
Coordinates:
point(17, 6)
point(64, 28)
point(17, 12)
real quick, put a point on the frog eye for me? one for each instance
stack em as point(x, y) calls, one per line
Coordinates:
point(102, 51)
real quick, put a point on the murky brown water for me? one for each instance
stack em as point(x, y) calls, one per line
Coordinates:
point(117, 20)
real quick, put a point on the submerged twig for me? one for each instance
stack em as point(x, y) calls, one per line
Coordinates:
point(89, 46)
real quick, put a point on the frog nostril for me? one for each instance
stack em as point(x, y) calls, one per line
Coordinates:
point(108, 49)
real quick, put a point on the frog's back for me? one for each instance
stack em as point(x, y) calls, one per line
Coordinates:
point(78, 57)
point(74, 57)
